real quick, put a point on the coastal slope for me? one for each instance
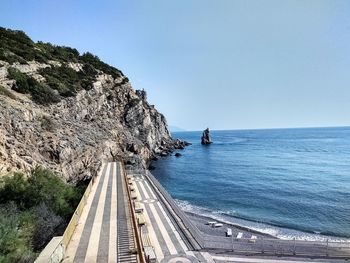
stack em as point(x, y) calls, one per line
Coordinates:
point(69, 112)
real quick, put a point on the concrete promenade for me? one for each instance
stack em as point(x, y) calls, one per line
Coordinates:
point(104, 232)
point(170, 243)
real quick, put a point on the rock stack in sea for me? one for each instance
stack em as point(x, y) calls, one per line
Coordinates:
point(206, 137)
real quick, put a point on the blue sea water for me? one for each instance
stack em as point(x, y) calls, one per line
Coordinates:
point(292, 183)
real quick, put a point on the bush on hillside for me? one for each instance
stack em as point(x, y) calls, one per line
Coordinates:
point(67, 81)
point(15, 244)
point(25, 84)
point(61, 81)
point(98, 64)
point(16, 46)
point(4, 91)
point(32, 211)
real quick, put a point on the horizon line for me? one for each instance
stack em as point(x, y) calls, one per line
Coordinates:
point(275, 128)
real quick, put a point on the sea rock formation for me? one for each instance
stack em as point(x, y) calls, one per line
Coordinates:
point(206, 137)
point(109, 120)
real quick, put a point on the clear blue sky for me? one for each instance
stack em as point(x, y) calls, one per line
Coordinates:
point(223, 64)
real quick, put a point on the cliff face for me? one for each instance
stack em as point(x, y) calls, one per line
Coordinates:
point(72, 136)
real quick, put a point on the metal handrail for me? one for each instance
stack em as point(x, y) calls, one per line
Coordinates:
point(138, 241)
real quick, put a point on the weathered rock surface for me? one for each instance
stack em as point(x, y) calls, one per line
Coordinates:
point(206, 137)
point(111, 121)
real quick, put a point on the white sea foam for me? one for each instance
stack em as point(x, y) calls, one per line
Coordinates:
point(279, 232)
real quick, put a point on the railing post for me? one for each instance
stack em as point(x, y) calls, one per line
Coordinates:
point(232, 243)
point(294, 244)
point(327, 248)
point(262, 241)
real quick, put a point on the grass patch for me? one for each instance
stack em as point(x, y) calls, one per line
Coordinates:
point(32, 211)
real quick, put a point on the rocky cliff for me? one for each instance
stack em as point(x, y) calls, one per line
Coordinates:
point(69, 112)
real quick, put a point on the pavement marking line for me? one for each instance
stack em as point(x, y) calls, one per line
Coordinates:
point(150, 190)
point(103, 246)
point(168, 241)
point(198, 256)
point(91, 253)
point(152, 235)
point(151, 232)
point(258, 260)
point(207, 257)
point(112, 252)
point(190, 253)
point(75, 240)
point(144, 190)
point(142, 194)
point(177, 235)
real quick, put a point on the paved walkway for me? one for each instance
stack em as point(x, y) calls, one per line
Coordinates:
point(104, 232)
point(238, 259)
point(168, 244)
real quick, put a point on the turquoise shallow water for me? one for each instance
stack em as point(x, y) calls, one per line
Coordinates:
point(286, 182)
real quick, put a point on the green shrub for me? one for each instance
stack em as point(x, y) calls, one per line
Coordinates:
point(67, 81)
point(41, 93)
point(14, 189)
point(16, 46)
point(15, 243)
point(4, 91)
point(23, 81)
point(94, 61)
point(32, 211)
point(47, 224)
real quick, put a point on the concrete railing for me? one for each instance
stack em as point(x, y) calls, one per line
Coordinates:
point(68, 233)
point(55, 250)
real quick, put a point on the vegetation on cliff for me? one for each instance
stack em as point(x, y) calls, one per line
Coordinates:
point(32, 211)
point(60, 80)
point(100, 117)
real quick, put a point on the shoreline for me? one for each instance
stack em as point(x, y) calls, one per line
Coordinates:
point(242, 239)
point(199, 220)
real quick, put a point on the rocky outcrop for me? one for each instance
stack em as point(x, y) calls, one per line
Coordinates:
point(206, 137)
point(72, 137)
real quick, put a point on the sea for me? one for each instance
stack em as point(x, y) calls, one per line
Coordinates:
point(289, 183)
